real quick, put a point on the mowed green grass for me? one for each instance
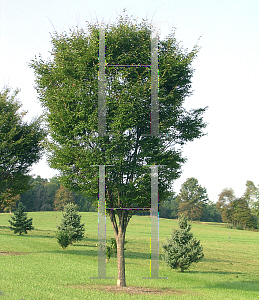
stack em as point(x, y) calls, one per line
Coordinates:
point(38, 268)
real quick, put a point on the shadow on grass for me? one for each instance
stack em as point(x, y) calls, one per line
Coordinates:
point(28, 235)
point(36, 233)
point(70, 251)
point(251, 286)
point(214, 272)
point(214, 260)
point(94, 252)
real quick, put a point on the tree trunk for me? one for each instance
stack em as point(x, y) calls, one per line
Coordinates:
point(121, 279)
point(120, 231)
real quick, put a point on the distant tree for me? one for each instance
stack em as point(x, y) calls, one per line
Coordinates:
point(20, 223)
point(182, 249)
point(62, 197)
point(11, 202)
point(40, 196)
point(236, 210)
point(225, 204)
point(50, 189)
point(255, 204)
point(192, 198)
point(250, 193)
point(20, 147)
point(170, 208)
point(70, 230)
point(211, 213)
point(85, 203)
point(241, 214)
point(252, 197)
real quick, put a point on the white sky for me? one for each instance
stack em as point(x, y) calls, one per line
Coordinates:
point(226, 76)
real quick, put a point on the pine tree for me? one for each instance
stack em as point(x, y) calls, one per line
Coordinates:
point(182, 248)
point(70, 230)
point(19, 222)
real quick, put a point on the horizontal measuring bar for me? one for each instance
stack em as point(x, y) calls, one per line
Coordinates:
point(125, 208)
point(107, 65)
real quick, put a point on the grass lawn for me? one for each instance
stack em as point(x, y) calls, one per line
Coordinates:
point(34, 266)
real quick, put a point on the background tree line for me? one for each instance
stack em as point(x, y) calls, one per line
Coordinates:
point(242, 212)
point(48, 195)
point(193, 201)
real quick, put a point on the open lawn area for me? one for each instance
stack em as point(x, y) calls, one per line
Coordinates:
point(34, 266)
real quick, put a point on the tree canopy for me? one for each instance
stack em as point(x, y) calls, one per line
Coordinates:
point(67, 85)
point(20, 147)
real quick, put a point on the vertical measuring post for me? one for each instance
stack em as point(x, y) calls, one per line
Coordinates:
point(154, 85)
point(154, 266)
point(154, 216)
point(101, 85)
point(101, 226)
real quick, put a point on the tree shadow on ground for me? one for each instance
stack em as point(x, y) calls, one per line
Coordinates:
point(94, 252)
point(215, 260)
point(250, 286)
point(70, 251)
point(215, 272)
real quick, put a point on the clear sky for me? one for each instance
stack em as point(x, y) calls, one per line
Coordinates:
point(225, 80)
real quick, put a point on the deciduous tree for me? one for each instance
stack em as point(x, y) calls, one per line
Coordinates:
point(224, 203)
point(67, 85)
point(193, 199)
point(62, 197)
point(20, 146)
point(235, 210)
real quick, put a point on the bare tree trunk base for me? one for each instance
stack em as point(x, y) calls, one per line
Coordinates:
point(121, 283)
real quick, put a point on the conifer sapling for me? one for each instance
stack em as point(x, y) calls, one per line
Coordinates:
point(182, 249)
point(70, 230)
point(20, 223)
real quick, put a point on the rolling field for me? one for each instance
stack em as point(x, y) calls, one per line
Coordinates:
point(34, 266)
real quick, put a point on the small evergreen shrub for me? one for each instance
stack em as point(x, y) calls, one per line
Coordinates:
point(63, 238)
point(19, 222)
point(70, 230)
point(182, 249)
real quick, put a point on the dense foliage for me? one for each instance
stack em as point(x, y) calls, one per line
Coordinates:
point(20, 147)
point(182, 249)
point(67, 86)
